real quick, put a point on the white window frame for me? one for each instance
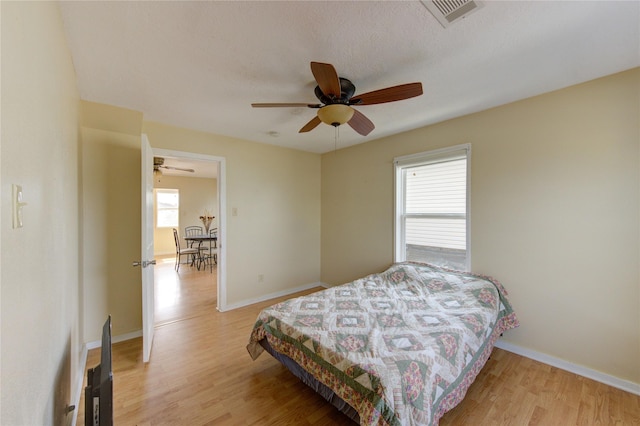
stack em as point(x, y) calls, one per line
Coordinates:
point(156, 204)
point(424, 158)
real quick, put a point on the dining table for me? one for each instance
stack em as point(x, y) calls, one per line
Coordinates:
point(200, 239)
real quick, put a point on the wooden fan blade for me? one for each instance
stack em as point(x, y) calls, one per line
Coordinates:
point(310, 125)
point(327, 78)
point(178, 168)
point(390, 94)
point(360, 123)
point(278, 105)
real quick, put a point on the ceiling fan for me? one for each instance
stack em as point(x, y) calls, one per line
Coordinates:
point(158, 163)
point(336, 95)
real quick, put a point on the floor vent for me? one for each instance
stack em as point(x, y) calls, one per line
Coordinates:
point(449, 11)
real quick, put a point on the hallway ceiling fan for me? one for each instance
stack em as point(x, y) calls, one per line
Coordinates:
point(336, 95)
point(158, 163)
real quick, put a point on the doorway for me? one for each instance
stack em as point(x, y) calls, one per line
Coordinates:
point(187, 160)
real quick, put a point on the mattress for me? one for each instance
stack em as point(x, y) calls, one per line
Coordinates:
point(398, 348)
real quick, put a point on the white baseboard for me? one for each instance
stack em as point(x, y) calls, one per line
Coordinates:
point(115, 339)
point(580, 370)
point(270, 296)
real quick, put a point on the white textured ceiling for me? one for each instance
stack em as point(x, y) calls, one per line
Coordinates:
point(201, 64)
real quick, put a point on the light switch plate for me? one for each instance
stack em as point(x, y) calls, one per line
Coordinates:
point(17, 204)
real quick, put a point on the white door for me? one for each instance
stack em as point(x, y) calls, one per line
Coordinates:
point(147, 249)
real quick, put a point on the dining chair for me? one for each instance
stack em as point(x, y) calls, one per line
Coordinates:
point(191, 231)
point(212, 257)
point(190, 252)
point(195, 230)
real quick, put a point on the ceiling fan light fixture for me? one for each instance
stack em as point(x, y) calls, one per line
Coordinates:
point(335, 114)
point(336, 96)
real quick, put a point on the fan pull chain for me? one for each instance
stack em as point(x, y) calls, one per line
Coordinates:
point(335, 140)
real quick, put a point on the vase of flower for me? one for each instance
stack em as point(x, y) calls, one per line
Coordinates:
point(206, 219)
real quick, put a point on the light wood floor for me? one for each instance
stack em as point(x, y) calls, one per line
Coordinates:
point(201, 374)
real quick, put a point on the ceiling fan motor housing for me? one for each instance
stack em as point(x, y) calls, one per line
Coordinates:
point(347, 89)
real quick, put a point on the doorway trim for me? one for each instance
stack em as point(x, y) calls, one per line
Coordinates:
point(221, 270)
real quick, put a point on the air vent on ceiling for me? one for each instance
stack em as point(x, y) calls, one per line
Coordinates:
point(449, 11)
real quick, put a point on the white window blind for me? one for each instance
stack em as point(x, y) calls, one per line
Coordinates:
point(432, 207)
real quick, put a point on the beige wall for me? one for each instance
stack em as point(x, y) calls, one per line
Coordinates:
point(276, 193)
point(276, 233)
point(111, 231)
point(40, 326)
point(554, 215)
point(196, 196)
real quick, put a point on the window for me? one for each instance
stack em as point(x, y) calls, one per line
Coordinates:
point(167, 208)
point(432, 207)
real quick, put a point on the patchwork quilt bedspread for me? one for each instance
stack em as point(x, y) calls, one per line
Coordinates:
point(401, 347)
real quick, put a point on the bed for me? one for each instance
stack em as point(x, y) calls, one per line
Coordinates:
point(399, 347)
